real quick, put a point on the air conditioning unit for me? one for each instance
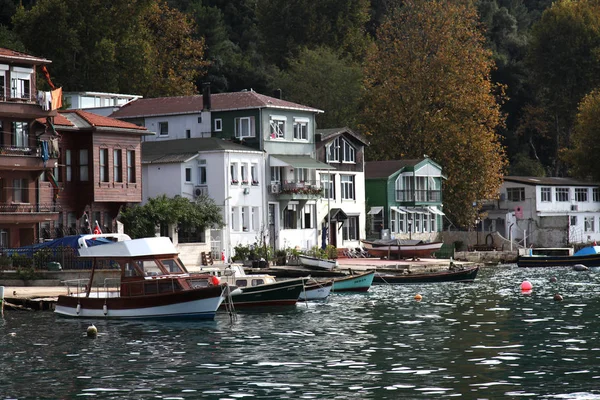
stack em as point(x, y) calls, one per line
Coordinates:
point(574, 207)
point(275, 188)
point(200, 191)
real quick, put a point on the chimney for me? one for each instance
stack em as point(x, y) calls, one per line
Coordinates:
point(206, 96)
point(277, 93)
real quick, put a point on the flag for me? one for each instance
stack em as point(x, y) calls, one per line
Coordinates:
point(97, 230)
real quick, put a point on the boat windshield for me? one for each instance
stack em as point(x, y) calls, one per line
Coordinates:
point(173, 266)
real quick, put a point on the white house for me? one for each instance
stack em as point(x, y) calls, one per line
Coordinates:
point(99, 103)
point(545, 212)
point(195, 167)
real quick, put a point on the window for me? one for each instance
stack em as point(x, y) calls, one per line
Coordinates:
point(243, 127)
point(350, 228)
point(244, 174)
point(433, 223)
point(245, 219)
point(333, 151)
point(20, 192)
point(573, 220)
point(118, 165)
point(347, 182)
point(218, 125)
point(201, 172)
point(302, 175)
point(562, 194)
point(328, 184)
point(348, 152)
point(233, 170)
point(340, 150)
point(290, 219)
point(130, 166)
point(546, 194)
point(2, 85)
point(596, 194)
point(188, 133)
point(20, 82)
point(163, 129)
point(277, 125)
point(20, 136)
point(188, 175)
point(254, 174)
point(515, 194)
point(301, 129)
point(275, 174)
point(103, 165)
point(417, 223)
point(308, 216)
point(83, 165)
point(68, 169)
point(589, 224)
point(4, 238)
point(235, 219)
point(581, 194)
point(255, 217)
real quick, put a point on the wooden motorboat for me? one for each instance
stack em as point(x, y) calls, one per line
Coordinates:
point(399, 249)
point(153, 283)
point(317, 263)
point(316, 290)
point(453, 274)
point(353, 283)
point(588, 256)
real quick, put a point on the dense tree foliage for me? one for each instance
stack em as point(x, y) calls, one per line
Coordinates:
point(428, 91)
point(586, 145)
point(142, 221)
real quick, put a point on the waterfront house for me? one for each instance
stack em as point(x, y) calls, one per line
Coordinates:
point(98, 171)
point(545, 211)
point(100, 103)
point(23, 156)
point(343, 202)
point(197, 167)
point(404, 199)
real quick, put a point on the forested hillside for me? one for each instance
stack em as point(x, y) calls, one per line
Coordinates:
point(506, 80)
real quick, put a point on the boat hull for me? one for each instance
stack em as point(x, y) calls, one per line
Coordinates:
point(317, 263)
point(592, 260)
point(195, 303)
point(423, 250)
point(316, 292)
point(459, 275)
point(353, 283)
point(282, 293)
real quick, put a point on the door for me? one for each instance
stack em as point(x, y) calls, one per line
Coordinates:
point(271, 218)
point(333, 233)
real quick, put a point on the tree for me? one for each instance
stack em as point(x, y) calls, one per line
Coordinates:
point(428, 92)
point(141, 221)
point(322, 79)
point(585, 142)
point(564, 59)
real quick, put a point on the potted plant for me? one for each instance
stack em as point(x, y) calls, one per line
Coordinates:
point(281, 257)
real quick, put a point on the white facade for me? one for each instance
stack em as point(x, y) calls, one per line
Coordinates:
point(547, 212)
point(184, 126)
point(99, 103)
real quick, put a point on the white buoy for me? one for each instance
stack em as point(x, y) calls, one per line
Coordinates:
point(580, 267)
point(92, 331)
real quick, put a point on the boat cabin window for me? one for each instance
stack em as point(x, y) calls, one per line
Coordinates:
point(241, 283)
point(172, 266)
point(130, 270)
point(150, 267)
point(257, 282)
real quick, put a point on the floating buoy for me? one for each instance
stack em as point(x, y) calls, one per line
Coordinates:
point(92, 331)
point(558, 297)
point(418, 297)
point(214, 280)
point(553, 279)
point(580, 267)
point(526, 292)
point(526, 285)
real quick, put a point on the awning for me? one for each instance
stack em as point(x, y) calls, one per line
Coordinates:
point(435, 210)
point(280, 160)
point(375, 210)
point(399, 210)
point(337, 214)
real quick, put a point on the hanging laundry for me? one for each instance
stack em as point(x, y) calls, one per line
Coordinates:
point(45, 153)
point(52, 180)
point(47, 75)
point(56, 99)
point(54, 148)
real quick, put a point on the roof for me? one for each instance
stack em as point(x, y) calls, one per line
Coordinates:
point(181, 150)
point(7, 55)
point(384, 169)
point(297, 161)
point(328, 134)
point(195, 104)
point(79, 119)
point(548, 181)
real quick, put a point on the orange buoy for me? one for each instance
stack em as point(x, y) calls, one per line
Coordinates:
point(526, 285)
point(558, 297)
point(214, 280)
point(418, 297)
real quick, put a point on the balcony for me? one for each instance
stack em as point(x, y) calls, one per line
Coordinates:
point(24, 106)
point(419, 196)
point(304, 190)
point(24, 158)
point(27, 213)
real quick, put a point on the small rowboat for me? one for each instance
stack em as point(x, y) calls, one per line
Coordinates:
point(353, 283)
point(456, 274)
point(401, 248)
point(317, 263)
point(316, 291)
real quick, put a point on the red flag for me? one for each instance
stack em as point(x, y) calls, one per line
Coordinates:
point(97, 230)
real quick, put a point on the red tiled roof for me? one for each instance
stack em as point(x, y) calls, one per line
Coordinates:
point(10, 55)
point(107, 122)
point(59, 120)
point(195, 104)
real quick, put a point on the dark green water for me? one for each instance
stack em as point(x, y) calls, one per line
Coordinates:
point(483, 340)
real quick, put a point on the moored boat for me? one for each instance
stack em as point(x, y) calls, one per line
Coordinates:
point(588, 256)
point(316, 291)
point(153, 284)
point(353, 283)
point(317, 263)
point(400, 249)
point(453, 274)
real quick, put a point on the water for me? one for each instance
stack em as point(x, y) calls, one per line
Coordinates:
point(479, 340)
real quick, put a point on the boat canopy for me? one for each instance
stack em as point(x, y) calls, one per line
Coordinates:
point(67, 241)
point(588, 251)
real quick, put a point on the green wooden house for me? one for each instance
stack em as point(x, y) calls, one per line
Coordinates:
point(404, 199)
